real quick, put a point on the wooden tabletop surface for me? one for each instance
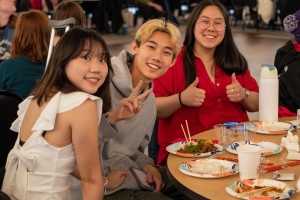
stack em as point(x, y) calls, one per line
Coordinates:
point(196, 188)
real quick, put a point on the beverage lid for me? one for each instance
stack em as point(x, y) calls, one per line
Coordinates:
point(230, 124)
point(268, 71)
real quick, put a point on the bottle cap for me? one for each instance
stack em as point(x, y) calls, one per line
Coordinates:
point(230, 124)
point(268, 71)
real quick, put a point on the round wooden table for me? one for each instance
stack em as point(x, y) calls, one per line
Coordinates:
point(202, 188)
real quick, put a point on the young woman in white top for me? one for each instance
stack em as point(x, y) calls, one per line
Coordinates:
point(58, 123)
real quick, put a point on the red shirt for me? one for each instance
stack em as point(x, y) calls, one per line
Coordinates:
point(35, 4)
point(297, 46)
point(216, 108)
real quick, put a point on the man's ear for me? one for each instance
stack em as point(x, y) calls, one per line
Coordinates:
point(174, 61)
point(134, 47)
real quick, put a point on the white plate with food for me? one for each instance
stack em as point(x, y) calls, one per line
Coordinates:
point(270, 128)
point(272, 189)
point(194, 149)
point(209, 168)
point(268, 148)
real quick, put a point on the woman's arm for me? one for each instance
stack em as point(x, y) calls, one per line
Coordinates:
point(166, 106)
point(236, 93)
point(84, 127)
point(250, 102)
point(192, 96)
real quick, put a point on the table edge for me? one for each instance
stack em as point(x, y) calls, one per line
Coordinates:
point(186, 191)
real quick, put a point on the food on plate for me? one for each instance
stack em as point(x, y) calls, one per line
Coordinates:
point(271, 126)
point(202, 146)
point(209, 167)
point(274, 192)
point(261, 189)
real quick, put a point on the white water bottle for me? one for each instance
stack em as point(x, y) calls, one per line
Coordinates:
point(268, 93)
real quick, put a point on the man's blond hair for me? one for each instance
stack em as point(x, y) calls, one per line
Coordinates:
point(148, 28)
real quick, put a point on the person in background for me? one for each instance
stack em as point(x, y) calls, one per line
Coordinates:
point(148, 9)
point(7, 27)
point(287, 61)
point(208, 84)
point(19, 73)
point(59, 120)
point(153, 4)
point(287, 7)
point(65, 10)
point(122, 144)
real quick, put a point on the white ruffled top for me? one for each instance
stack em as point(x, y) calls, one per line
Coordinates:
point(37, 170)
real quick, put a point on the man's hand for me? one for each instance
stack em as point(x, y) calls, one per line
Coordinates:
point(154, 177)
point(116, 178)
point(129, 107)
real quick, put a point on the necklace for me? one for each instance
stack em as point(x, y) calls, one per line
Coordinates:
point(209, 64)
point(210, 67)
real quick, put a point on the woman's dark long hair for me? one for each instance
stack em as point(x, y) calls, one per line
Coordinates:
point(70, 46)
point(226, 56)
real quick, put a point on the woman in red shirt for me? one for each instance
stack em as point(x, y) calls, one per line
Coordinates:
point(210, 82)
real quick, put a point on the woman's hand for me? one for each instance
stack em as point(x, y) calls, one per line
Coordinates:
point(235, 92)
point(192, 95)
point(129, 107)
point(116, 178)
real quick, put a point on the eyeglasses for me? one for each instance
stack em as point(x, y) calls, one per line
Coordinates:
point(203, 24)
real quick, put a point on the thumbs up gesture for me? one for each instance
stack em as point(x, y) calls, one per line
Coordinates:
point(192, 95)
point(235, 92)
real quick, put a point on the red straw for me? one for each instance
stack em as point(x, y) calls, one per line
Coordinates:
point(279, 167)
point(236, 160)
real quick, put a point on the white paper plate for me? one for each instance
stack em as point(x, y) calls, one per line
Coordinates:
point(191, 168)
point(268, 148)
point(288, 190)
point(173, 149)
point(270, 127)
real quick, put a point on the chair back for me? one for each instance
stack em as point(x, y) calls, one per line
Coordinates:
point(8, 113)
point(4, 196)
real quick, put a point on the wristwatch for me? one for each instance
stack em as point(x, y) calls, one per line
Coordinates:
point(247, 92)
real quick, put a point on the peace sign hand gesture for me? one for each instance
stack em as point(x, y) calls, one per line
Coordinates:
point(129, 107)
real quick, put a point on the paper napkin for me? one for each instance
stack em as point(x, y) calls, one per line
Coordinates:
point(293, 156)
point(291, 143)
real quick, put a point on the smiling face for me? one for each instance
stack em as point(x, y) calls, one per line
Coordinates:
point(209, 38)
point(153, 57)
point(88, 71)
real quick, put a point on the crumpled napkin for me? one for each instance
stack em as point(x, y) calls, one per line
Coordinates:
point(290, 142)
